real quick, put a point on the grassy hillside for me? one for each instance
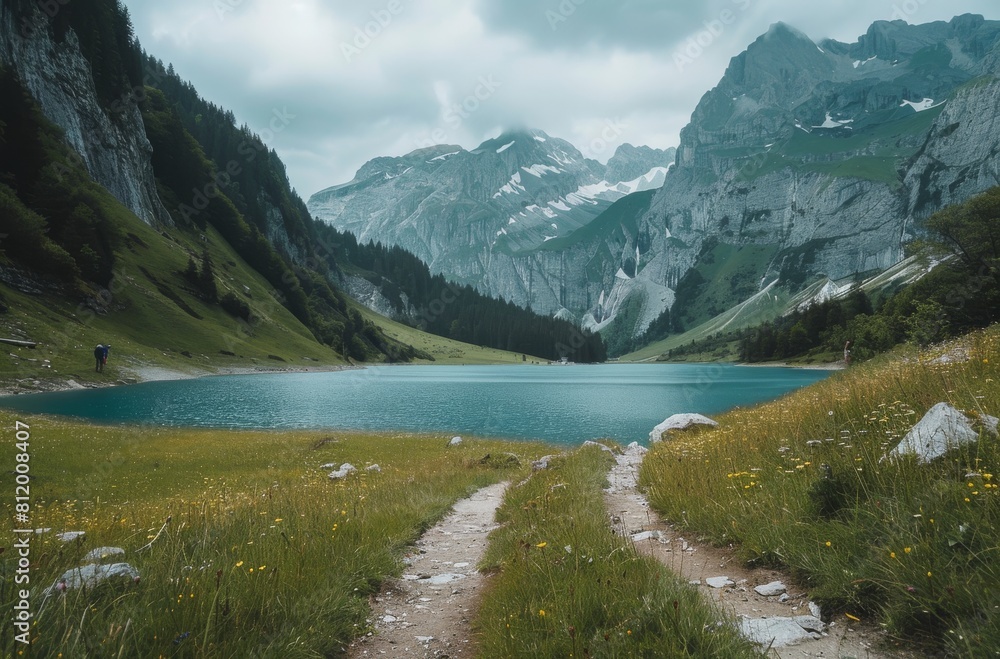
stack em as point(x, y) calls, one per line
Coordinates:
point(914, 546)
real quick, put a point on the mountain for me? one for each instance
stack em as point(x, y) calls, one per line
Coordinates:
point(807, 160)
point(473, 214)
point(133, 209)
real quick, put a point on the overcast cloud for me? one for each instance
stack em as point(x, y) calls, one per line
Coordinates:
point(458, 72)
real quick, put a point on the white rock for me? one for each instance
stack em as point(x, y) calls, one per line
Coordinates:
point(541, 463)
point(719, 582)
point(100, 553)
point(940, 430)
point(680, 422)
point(345, 469)
point(598, 445)
point(389, 619)
point(810, 623)
point(70, 536)
point(636, 447)
point(815, 610)
point(328, 465)
point(784, 598)
point(771, 589)
point(455, 441)
point(646, 535)
point(375, 468)
point(774, 632)
point(92, 575)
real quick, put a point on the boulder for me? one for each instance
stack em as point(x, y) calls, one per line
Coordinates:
point(345, 469)
point(940, 430)
point(99, 554)
point(374, 468)
point(89, 576)
point(680, 422)
point(455, 441)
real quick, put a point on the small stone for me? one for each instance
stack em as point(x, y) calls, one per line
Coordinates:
point(375, 468)
point(389, 619)
point(646, 535)
point(770, 589)
point(455, 441)
point(719, 582)
point(345, 469)
point(784, 598)
point(70, 536)
point(815, 610)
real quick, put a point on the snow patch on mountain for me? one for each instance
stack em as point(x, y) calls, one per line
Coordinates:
point(506, 146)
point(920, 106)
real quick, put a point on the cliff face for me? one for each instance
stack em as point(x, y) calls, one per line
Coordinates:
point(824, 159)
point(111, 143)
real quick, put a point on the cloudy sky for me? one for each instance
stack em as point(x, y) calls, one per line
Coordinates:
point(334, 84)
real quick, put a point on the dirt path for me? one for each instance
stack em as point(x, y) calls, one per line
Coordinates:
point(734, 592)
point(429, 611)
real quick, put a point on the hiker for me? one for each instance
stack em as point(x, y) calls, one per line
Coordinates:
point(101, 356)
point(847, 353)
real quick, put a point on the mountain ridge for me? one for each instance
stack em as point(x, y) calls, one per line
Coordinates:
point(806, 160)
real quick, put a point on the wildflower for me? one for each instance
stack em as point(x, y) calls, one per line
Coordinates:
point(542, 545)
point(239, 564)
point(907, 550)
point(829, 544)
point(541, 613)
point(261, 568)
point(892, 554)
point(929, 573)
point(854, 618)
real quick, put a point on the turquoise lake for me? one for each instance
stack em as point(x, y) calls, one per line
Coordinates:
point(559, 404)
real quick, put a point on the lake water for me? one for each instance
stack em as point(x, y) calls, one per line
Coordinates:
point(559, 404)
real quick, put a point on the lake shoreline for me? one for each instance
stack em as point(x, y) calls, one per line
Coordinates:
point(139, 374)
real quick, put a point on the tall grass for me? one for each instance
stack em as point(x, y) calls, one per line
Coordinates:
point(263, 555)
point(914, 546)
point(566, 586)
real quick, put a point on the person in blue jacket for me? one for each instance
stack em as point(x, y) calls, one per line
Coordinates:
point(101, 356)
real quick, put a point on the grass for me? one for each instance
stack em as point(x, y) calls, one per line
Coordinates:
point(914, 547)
point(443, 350)
point(260, 554)
point(567, 587)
